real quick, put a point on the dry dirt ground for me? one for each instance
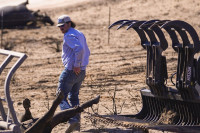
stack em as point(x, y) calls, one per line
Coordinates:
point(115, 63)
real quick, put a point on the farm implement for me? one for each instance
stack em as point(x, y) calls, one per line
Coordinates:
point(181, 102)
point(9, 119)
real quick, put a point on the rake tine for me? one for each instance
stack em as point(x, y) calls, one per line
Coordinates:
point(161, 36)
point(153, 109)
point(189, 114)
point(156, 109)
point(126, 23)
point(148, 23)
point(174, 38)
point(191, 109)
point(183, 114)
point(144, 108)
point(117, 23)
point(150, 33)
point(189, 119)
point(189, 29)
point(150, 110)
point(161, 106)
point(194, 118)
point(183, 35)
point(161, 22)
point(135, 25)
point(178, 106)
point(196, 109)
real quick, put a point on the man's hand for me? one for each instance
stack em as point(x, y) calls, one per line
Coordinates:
point(77, 70)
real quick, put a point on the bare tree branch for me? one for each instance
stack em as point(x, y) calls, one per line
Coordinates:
point(49, 120)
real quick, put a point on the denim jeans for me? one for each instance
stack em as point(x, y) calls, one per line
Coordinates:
point(70, 84)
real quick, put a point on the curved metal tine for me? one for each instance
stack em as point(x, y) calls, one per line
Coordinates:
point(191, 110)
point(196, 108)
point(151, 109)
point(148, 116)
point(182, 118)
point(183, 35)
point(173, 36)
point(150, 33)
point(180, 115)
point(126, 23)
point(148, 23)
point(151, 119)
point(186, 117)
point(163, 42)
point(196, 113)
point(135, 25)
point(148, 108)
point(159, 106)
point(189, 29)
point(161, 22)
point(118, 23)
point(188, 114)
point(156, 110)
point(155, 27)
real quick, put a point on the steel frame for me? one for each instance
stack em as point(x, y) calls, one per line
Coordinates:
point(10, 124)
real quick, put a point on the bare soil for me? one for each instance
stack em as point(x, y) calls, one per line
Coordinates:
point(117, 62)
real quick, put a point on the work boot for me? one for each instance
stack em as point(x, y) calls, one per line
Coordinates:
point(73, 127)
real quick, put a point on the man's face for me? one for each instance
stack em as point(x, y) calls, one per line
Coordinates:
point(64, 28)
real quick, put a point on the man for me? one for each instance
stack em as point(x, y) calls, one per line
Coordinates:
point(75, 58)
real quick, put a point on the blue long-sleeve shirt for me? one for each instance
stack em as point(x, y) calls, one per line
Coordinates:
point(75, 52)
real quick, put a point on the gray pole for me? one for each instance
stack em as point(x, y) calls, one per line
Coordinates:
point(109, 25)
point(1, 29)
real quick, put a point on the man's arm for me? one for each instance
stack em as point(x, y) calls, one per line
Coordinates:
point(74, 43)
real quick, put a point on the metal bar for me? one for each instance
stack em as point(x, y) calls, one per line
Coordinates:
point(1, 29)
point(10, 55)
point(8, 126)
point(2, 67)
point(7, 52)
point(7, 83)
point(5, 63)
point(3, 114)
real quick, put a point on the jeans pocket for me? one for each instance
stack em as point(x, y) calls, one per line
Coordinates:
point(72, 77)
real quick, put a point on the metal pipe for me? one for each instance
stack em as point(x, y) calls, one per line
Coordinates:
point(10, 55)
point(1, 29)
point(6, 88)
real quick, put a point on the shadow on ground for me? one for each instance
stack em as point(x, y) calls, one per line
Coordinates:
point(112, 130)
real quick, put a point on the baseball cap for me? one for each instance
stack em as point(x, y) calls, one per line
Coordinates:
point(64, 19)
